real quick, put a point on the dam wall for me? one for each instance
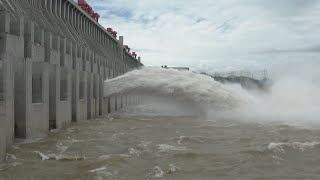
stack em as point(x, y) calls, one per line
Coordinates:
point(54, 59)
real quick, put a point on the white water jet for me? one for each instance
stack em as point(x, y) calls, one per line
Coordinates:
point(294, 99)
point(183, 85)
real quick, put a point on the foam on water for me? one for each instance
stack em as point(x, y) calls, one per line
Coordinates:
point(104, 157)
point(10, 156)
point(45, 157)
point(61, 148)
point(134, 152)
point(281, 147)
point(183, 139)
point(157, 172)
point(113, 157)
point(173, 168)
point(167, 148)
point(98, 169)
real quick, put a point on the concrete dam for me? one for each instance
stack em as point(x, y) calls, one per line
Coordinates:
point(54, 59)
point(246, 80)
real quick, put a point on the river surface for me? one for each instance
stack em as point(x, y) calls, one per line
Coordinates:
point(144, 143)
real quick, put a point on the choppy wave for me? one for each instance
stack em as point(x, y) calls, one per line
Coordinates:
point(7, 166)
point(98, 169)
point(45, 157)
point(10, 156)
point(282, 147)
point(185, 85)
point(192, 139)
point(101, 173)
point(167, 148)
point(158, 172)
point(27, 141)
point(61, 148)
point(134, 152)
point(173, 168)
point(115, 158)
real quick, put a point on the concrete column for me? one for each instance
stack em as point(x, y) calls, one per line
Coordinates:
point(89, 95)
point(75, 86)
point(3, 145)
point(72, 17)
point(37, 112)
point(48, 46)
point(6, 74)
point(97, 103)
point(101, 96)
point(6, 101)
point(55, 7)
point(50, 7)
point(59, 8)
point(29, 38)
point(68, 13)
point(45, 94)
point(28, 89)
point(4, 22)
point(83, 80)
point(76, 110)
point(43, 4)
point(63, 48)
point(21, 26)
point(123, 101)
point(121, 58)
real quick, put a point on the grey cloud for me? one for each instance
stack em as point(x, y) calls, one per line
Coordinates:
point(286, 7)
point(313, 49)
point(187, 32)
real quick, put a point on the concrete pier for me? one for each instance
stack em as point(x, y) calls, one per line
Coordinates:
point(54, 59)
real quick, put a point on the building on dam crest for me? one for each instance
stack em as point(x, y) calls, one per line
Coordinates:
point(54, 58)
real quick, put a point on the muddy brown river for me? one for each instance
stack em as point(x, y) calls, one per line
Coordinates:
point(143, 143)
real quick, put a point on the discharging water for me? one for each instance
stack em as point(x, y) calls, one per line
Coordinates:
point(180, 138)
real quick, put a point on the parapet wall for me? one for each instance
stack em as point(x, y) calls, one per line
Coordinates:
point(54, 59)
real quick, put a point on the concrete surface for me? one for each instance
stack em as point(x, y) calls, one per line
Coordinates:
point(54, 59)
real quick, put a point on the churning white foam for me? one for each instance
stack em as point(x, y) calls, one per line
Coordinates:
point(98, 169)
point(185, 85)
point(173, 168)
point(45, 157)
point(167, 148)
point(61, 148)
point(281, 147)
point(10, 156)
point(183, 139)
point(134, 152)
point(157, 172)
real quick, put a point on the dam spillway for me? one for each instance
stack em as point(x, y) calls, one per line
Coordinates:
point(54, 59)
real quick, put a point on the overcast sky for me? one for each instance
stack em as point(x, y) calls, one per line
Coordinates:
point(216, 35)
